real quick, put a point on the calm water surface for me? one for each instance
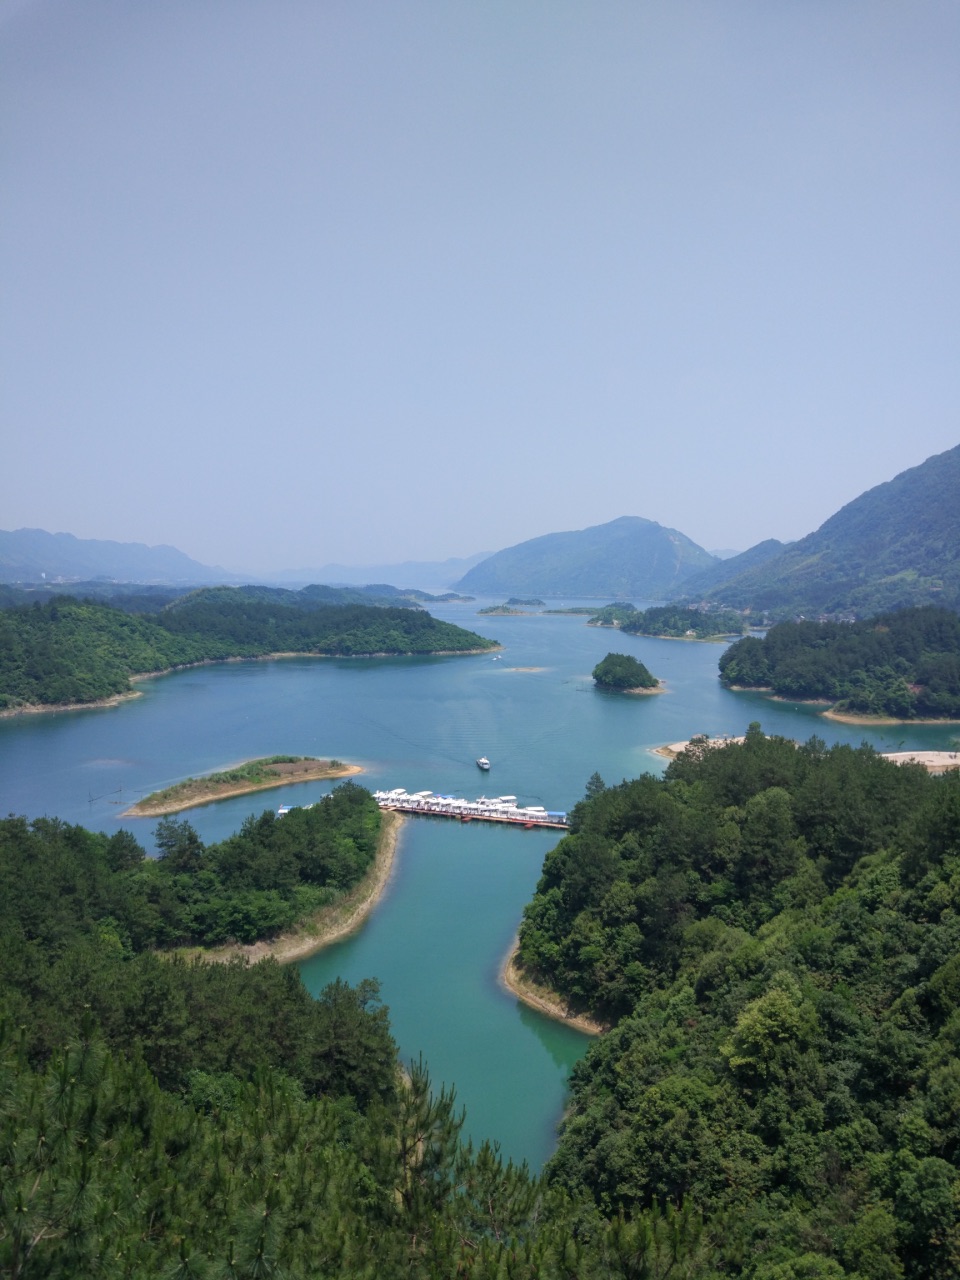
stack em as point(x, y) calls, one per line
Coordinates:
point(438, 937)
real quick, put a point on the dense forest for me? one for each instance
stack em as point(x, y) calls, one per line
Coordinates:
point(272, 873)
point(773, 933)
point(623, 671)
point(198, 1122)
point(69, 651)
point(904, 664)
point(771, 930)
point(674, 621)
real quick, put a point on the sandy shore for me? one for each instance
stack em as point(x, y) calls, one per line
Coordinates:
point(847, 718)
point(672, 749)
point(661, 688)
point(150, 808)
point(542, 998)
point(932, 761)
point(40, 708)
point(329, 925)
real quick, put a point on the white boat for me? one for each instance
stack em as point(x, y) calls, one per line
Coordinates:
point(483, 763)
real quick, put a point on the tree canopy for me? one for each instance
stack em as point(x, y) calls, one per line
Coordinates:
point(67, 651)
point(904, 664)
point(772, 932)
point(623, 671)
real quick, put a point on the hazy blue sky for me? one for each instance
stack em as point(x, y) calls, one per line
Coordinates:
point(293, 281)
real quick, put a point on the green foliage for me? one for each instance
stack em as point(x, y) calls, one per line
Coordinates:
point(622, 671)
point(904, 664)
point(773, 931)
point(894, 547)
point(613, 615)
point(629, 556)
point(71, 652)
point(685, 623)
point(252, 885)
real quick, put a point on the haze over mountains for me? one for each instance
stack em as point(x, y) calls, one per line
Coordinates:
point(896, 545)
point(33, 555)
point(627, 556)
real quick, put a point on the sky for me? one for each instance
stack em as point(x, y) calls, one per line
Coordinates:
point(290, 282)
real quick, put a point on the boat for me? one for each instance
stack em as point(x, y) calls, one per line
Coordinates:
point(483, 763)
point(501, 809)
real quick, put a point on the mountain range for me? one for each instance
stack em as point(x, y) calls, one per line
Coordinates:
point(33, 555)
point(896, 545)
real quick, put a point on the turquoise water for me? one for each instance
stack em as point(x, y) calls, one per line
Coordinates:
point(437, 939)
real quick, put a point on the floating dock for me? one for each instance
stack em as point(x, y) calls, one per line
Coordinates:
point(498, 809)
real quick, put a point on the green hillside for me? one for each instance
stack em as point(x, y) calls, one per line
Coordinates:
point(626, 557)
point(773, 932)
point(904, 664)
point(896, 545)
point(70, 651)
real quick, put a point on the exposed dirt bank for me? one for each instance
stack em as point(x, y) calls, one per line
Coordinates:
point(543, 999)
point(327, 926)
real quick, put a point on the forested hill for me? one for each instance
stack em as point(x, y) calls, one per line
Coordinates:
point(904, 664)
point(671, 620)
point(774, 932)
point(72, 652)
point(198, 1121)
point(626, 557)
point(896, 545)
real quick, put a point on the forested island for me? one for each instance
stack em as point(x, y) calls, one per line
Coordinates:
point(69, 652)
point(672, 621)
point(251, 775)
point(904, 665)
point(774, 933)
point(623, 672)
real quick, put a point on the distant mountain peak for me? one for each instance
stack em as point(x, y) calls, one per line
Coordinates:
point(34, 555)
point(628, 556)
point(897, 544)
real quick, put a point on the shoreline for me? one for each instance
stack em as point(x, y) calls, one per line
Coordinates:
point(144, 809)
point(329, 925)
point(41, 708)
point(542, 999)
point(671, 750)
point(717, 638)
point(843, 717)
point(846, 717)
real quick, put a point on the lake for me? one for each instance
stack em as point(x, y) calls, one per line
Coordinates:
point(439, 935)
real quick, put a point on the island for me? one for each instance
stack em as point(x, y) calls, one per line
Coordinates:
point(899, 666)
point(624, 673)
point(72, 653)
point(673, 622)
point(251, 775)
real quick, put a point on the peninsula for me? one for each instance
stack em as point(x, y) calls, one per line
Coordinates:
point(82, 653)
point(902, 666)
point(251, 775)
